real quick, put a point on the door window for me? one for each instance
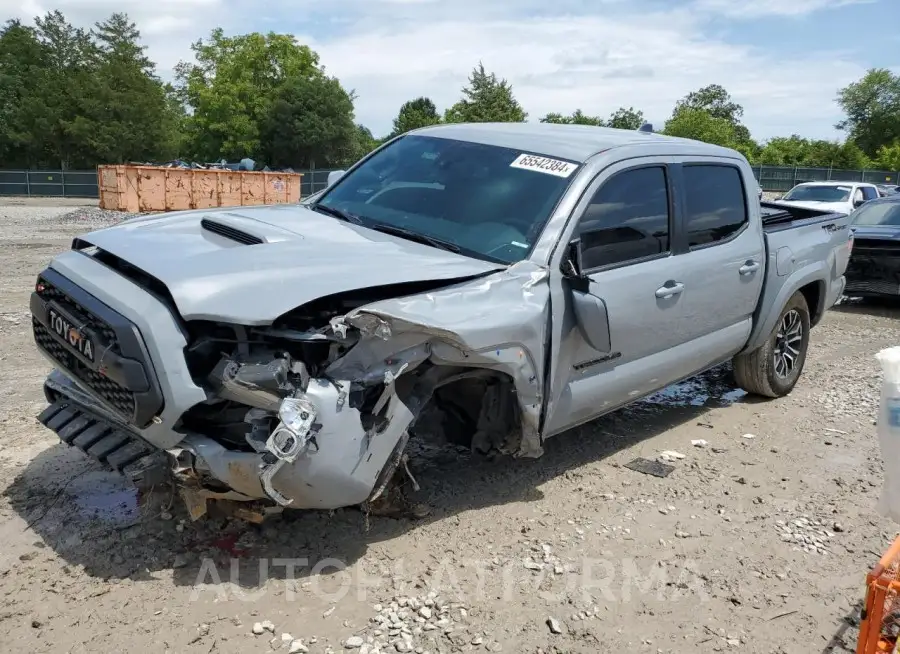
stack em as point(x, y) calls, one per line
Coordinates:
point(627, 219)
point(715, 203)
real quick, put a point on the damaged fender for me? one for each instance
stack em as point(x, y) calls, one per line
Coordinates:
point(495, 323)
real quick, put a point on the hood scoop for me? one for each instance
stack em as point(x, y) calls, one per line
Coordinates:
point(232, 233)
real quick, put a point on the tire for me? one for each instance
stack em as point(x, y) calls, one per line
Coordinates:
point(759, 372)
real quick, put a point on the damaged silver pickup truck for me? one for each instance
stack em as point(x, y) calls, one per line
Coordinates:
point(490, 285)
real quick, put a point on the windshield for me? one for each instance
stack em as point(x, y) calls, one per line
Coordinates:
point(819, 193)
point(487, 201)
point(878, 213)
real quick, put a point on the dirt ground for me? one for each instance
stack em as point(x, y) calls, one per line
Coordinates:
point(759, 541)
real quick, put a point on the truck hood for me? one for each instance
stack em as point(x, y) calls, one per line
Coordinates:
point(304, 256)
point(836, 207)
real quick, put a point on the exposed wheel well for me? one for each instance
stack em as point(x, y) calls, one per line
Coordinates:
point(814, 294)
point(476, 408)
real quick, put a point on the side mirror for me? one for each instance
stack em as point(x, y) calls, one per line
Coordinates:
point(334, 176)
point(859, 203)
point(572, 263)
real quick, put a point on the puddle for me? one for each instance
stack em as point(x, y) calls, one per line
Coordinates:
point(105, 497)
point(714, 388)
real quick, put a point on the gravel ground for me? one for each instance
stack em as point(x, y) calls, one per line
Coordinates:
point(759, 540)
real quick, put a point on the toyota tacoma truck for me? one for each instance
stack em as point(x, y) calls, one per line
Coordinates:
point(489, 285)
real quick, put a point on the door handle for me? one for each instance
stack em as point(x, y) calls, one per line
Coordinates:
point(749, 267)
point(669, 291)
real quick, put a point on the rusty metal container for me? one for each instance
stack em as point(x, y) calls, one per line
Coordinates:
point(151, 188)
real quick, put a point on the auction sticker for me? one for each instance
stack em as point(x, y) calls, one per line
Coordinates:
point(544, 165)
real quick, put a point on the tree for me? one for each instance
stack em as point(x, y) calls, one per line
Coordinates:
point(576, 118)
point(700, 125)
point(57, 114)
point(889, 156)
point(798, 151)
point(714, 100)
point(309, 124)
point(23, 59)
point(363, 144)
point(623, 118)
point(486, 99)
point(717, 102)
point(872, 106)
point(414, 114)
point(232, 86)
point(129, 116)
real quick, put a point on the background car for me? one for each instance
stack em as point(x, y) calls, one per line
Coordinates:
point(874, 267)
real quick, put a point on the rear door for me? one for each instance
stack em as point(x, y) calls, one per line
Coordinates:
point(725, 249)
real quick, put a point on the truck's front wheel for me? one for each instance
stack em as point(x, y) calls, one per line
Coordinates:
point(772, 370)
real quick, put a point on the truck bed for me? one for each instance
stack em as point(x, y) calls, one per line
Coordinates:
point(777, 217)
point(802, 245)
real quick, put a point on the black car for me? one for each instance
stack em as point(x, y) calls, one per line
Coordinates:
point(874, 267)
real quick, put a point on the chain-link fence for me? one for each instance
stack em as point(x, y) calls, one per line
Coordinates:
point(49, 183)
point(783, 178)
point(83, 183)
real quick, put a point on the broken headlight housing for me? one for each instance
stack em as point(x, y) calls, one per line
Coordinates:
point(291, 436)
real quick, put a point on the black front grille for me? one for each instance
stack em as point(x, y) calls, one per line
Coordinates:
point(119, 398)
point(121, 374)
point(46, 291)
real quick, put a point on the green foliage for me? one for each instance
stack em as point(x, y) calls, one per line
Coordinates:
point(889, 156)
point(576, 118)
point(414, 114)
point(75, 98)
point(797, 151)
point(621, 118)
point(309, 124)
point(709, 114)
point(486, 99)
point(701, 125)
point(232, 85)
point(72, 98)
point(872, 106)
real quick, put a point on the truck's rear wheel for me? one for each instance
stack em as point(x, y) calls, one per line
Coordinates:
point(772, 370)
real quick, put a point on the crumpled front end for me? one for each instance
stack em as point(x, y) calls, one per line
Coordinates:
point(316, 409)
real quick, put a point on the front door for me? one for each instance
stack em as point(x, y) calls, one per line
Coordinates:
point(625, 223)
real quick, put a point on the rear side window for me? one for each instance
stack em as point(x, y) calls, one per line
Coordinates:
point(627, 219)
point(869, 193)
point(715, 203)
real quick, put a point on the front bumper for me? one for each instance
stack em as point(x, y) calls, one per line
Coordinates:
point(345, 466)
point(873, 269)
point(80, 422)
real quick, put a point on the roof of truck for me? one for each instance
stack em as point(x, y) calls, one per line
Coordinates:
point(573, 142)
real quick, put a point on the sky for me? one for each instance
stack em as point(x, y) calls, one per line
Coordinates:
point(783, 60)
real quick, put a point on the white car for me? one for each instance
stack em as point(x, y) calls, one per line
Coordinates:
point(839, 197)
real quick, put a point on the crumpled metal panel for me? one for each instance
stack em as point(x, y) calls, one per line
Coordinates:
point(498, 322)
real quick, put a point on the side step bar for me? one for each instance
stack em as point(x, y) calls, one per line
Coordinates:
point(115, 448)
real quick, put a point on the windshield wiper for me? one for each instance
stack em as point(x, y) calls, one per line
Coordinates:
point(416, 236)
point(346, 216)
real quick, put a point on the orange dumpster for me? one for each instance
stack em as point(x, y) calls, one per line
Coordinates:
point(151, 188)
